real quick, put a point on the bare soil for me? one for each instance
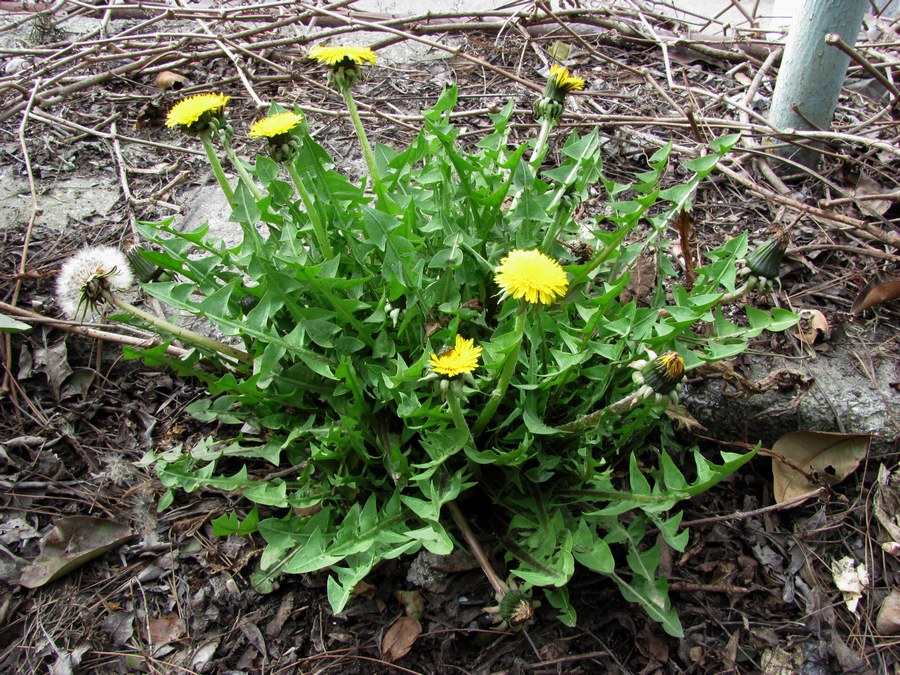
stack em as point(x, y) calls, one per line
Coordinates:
point(85, 156)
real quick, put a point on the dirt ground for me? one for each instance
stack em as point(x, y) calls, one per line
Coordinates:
point(85, 156)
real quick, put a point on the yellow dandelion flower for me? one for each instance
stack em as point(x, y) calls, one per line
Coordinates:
point(333, 56)
point(531, 275)
point(460, 359)
point(189, 110)
point(563, 80)
point(275, 125)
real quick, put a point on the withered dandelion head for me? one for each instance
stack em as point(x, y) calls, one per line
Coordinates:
point(197, 113)
point(85, 275)
point(531, 275)
point(460, 359)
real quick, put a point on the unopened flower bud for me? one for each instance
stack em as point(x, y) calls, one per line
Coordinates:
point(765, 260)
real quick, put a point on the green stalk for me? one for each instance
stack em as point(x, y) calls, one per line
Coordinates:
point(363, 139)
point(242, 172)
point(508, 368)
point(311, 211)
point(588, 421)
point(459, 419)
point(181, 333)
point(553, 230)
point(216, 165)
point(604, 255)
point(540, 147)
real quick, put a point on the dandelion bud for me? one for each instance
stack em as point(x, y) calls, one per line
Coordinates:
point(559, 83)
point(765, 260)
point(663, 373)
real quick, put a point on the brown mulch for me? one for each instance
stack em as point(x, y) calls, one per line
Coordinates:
point(79, 101)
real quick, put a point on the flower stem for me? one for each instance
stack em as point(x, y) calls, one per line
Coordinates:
point(459, 419)
point(202, 341)
point(540, 146)
point(311, 211)
point(363, 139)
point(739, 293)
point(246, 178)
point(553, 231)
point(588, 421)
point(216, 165)
point(508, 368)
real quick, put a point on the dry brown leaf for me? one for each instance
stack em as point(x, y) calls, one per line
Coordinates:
point(170, 80)
point(413, 603)
point(73, 542)
point(874, 294)
point(886, 507)
point(400, 638)
point(866, 187)
point(643, 279)
point(888, 621)
point(683, 419)
point(684, 223)
point(813, 326)
point(804, 460)
point(165, 629)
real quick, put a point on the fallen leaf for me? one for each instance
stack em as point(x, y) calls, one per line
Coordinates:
point(559, 50)
point(11, 325)
point(875, 293)
point(413, 603)
point(53, 361)
point(273, 628)
point(886, 502)
point(684, 223)
point(170, 80)
point(804, 460)
point(888, 621)
point(866, 188)
point(120, 626)
point(813, 326)
point(164, 629)
point(73, 542)
point(851, 580)
point(400, 638)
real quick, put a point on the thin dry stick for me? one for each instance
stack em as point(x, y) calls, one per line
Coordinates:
point(853, 250)
point(744, 515)
point(814, 212)
point(35, 210)
point(431, 43)
point(88, 331)
point(835, 40)
point(475, 547)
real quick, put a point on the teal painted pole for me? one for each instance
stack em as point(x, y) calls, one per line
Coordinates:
point(812, 72)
